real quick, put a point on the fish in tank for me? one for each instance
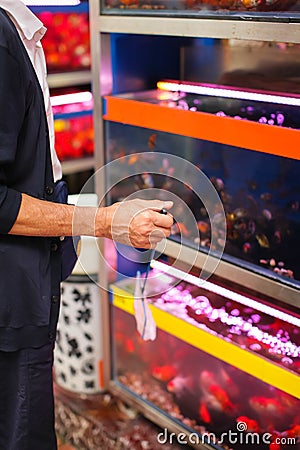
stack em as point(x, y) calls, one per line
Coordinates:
point(205, 6)
point(206, 395)
point(260, 194)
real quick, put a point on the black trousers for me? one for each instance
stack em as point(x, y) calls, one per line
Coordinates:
point(26, 399)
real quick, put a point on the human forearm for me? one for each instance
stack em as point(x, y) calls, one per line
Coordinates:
point(41, 218)
point(134, 222)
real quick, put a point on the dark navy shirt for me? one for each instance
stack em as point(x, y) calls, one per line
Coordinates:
point(29, 266)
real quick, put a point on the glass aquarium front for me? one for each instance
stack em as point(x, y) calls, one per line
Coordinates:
point(258, 191)
point(265, 107)
point(73, 125)
point(67, 40)
point(279, 10)
point(227, 396)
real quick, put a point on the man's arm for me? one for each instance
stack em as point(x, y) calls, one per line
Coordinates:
point(134, 222)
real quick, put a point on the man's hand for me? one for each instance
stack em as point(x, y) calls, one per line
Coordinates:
point(134, 222)
point(138, 222)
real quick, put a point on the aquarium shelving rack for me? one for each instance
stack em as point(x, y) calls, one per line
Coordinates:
point(196, 27)
point(102, 25)
point(68, 79)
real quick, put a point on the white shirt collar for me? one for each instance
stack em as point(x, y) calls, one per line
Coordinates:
point(28, 23)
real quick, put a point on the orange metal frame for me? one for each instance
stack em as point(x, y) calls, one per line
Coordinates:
point(271, 139)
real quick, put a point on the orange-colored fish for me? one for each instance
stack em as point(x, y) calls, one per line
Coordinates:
point(204, 413)
point(121, 153)
point(182, 229)
point(129, 345)
point(119, 338)
point(203, 227)
point(275, 444)
point(228, 384)
point(252, 425)
point(294, 432)
point(180, 384)
point(128, 2)
point(164, 373)
point(152, 141)
point(266, 406)
point(206, 379)
point(222, 397)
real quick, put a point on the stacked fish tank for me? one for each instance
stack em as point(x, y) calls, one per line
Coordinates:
point(66, 44)
point(67, 41)
point(224, 364)
point(250, 9)
point(248, 150)
point(73, 125)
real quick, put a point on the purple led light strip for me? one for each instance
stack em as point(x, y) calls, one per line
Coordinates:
point(224, 292)
point(223, 91)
